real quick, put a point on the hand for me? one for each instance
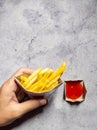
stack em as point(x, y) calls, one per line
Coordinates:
point(10, 108)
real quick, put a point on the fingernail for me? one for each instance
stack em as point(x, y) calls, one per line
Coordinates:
point(43, 101)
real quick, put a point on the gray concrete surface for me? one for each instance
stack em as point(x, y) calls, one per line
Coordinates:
point(36, 33)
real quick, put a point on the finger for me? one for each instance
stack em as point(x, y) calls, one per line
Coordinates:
point(30, 105)
point(10, 84)
point(18, 73)
point(23, 71)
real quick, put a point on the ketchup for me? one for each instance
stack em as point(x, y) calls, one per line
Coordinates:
point(73, 89)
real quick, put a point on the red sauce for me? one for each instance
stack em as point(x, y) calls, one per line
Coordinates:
point(73, 89)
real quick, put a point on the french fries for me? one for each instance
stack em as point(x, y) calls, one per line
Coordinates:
point(42, 80)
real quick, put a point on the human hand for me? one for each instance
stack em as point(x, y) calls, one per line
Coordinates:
point(10, 108)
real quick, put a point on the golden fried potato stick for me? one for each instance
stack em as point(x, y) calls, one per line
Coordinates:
point(32, 76)
point(36, 85)
point(52, 86)
point(63, 66)
point(52, 82)
point(40, 82)
point(44, 71)
point(45, 79)
point(61, 69)
point(22, 78)
point(54, 77)
point(31, 82)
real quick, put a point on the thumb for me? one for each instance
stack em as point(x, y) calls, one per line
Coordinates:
point(30, 105)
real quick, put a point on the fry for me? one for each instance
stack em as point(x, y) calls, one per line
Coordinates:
point(22, 78)
point(36, 84)
point(42, 81)
point(52, 81)
point(31, 82)
point(32, 76)
point(53, 85)
point(44, 71)
point(45, 80)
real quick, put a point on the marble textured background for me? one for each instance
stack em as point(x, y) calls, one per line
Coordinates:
point(36, 33)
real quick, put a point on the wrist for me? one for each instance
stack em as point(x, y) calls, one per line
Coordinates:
point(3, 119)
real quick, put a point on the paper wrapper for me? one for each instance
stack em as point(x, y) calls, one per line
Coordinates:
point(32, 94)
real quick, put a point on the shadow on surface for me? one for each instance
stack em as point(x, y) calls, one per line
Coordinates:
point(74, 103)
point(23, 119)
